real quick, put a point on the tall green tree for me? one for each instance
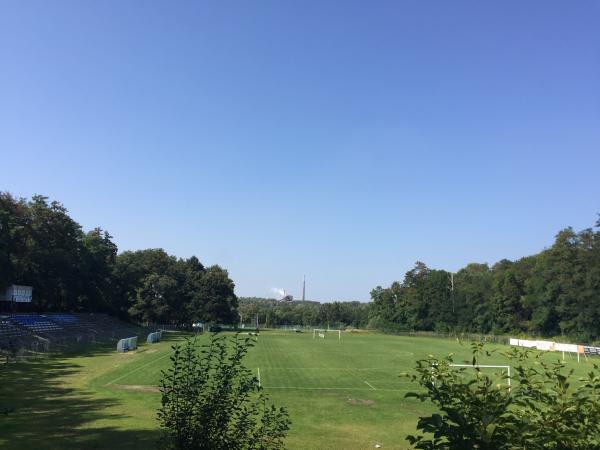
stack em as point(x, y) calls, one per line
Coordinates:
point(73, 270)
point(214, 300)
point(14, 222)
point(563, 291)
point(555, 292)
point(472, 293)
point(145, 279)
point(508, 292)
point(98, 256)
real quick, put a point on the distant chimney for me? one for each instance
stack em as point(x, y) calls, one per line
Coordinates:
point(304, 288)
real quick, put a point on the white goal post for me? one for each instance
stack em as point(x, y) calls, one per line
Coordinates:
point(320, 332)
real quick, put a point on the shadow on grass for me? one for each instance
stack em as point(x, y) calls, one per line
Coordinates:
point(47, 414)
point(108, 346)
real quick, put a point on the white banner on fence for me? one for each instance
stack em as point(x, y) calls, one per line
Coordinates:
point(571, 348)
point(548, 346)
point(527, 343)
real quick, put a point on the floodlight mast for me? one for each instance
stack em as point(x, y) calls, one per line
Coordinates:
point(452, 290)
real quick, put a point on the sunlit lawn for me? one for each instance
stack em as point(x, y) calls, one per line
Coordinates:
point(344, 394)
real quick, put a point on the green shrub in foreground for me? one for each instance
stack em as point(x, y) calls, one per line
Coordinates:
point(545, 409)
point(211, 401)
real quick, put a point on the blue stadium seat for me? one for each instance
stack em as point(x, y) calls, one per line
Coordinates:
point(35, 322)
point(63, 318)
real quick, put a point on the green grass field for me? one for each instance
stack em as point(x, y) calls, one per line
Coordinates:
point(340, 394)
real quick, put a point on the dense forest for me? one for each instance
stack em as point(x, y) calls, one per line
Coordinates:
point(271, 312)
point(77, 271)
point(555, 292)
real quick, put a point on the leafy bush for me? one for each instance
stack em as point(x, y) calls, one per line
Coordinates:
point(211, 401)
point(544, 409)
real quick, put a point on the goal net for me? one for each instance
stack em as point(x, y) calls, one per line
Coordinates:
point(127, 344)
point(319, 332)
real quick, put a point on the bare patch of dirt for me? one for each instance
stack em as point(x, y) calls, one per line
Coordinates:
point(136, 388)
point(361, 402)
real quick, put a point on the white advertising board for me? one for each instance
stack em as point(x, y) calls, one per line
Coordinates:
point(571, 348)
point(545, 345)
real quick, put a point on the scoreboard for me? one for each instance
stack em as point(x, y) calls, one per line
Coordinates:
point(19, 294)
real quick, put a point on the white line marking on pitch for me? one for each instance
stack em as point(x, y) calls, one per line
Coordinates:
point(138, 368)
point(332, 388)
point(258, 369)
point(332, 368)
point(369, 384)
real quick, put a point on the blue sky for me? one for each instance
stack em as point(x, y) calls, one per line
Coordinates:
point(341, 140)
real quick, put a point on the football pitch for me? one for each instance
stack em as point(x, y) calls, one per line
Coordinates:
point(341, 394)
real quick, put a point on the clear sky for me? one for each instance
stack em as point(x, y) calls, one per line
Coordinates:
point(341, 140)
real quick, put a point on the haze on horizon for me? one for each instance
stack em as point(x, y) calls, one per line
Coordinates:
point(343, 141)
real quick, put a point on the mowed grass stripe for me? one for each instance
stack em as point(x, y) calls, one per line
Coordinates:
point(167, 354)
point(306, 362)
point(349, 389)
point(342, 355)
point(330, 377)
point(322, 383)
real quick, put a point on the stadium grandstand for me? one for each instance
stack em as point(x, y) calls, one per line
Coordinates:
point(26, 333)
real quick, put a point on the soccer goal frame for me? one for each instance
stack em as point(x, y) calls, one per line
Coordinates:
point(321, 333)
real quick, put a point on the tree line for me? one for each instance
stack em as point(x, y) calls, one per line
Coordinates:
point(271, 312)
point(77, 271)
point(555, 292)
